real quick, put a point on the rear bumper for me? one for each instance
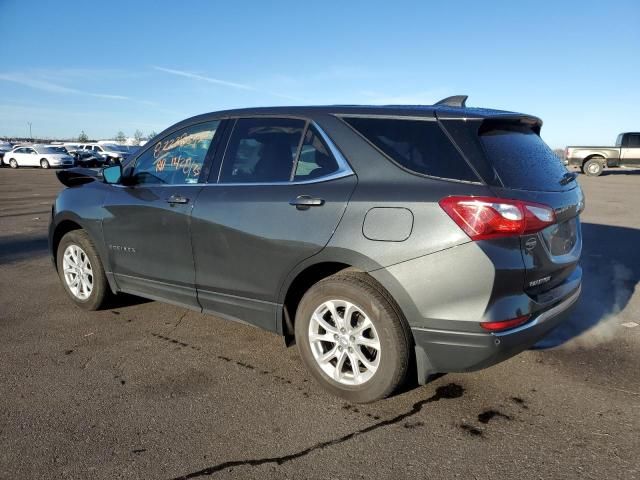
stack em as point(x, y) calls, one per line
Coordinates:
point(440, 351)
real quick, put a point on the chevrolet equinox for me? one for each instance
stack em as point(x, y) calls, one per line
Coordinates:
point(381, 240)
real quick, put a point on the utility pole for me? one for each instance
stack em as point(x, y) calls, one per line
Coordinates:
point(30, 135)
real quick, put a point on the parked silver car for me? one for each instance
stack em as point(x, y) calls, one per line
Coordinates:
point(43, 156)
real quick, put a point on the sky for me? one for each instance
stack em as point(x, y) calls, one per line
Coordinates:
point(104, 67)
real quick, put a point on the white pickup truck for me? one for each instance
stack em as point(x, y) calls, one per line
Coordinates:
point(110, 152)
point(593, 160)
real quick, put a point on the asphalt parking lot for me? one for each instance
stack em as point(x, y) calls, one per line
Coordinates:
point(148, 390)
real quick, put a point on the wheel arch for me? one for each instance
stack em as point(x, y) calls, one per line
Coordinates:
point(298, 286)
point(60, 230)
point(70, 222)
point(593, 156)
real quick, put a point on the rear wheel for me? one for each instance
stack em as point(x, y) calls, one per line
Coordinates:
point(81, 271)
point(13, 163)
point(44, 163)
point(352, 337)
point(594, 167)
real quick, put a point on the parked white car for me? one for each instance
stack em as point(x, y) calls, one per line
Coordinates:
point(43, 156)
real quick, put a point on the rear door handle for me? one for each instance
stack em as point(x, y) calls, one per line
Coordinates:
point(303, 202)
point(177, 199)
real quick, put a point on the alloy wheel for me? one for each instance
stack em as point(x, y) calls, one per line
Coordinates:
point(344, 342)
point(78, 273)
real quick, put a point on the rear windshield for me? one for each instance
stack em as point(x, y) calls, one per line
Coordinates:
point(522, 160)
point(417, 145)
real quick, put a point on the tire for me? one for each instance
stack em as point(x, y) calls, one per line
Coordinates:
point(13, 163)
point(99, 291)
point(594, 167)
point(44, 163)
point(382, 363)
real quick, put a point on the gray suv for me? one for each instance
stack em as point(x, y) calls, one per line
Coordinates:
point(381, 240)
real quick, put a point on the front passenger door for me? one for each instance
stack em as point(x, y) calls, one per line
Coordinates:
point(147, 230)
point(31, 158)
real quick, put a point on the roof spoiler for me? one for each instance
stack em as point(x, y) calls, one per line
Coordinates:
point(454, 101)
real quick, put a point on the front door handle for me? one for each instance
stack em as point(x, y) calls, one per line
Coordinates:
point(177, 199)
point(303, 202)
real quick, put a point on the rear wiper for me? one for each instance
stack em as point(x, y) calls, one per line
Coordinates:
point(568, 178)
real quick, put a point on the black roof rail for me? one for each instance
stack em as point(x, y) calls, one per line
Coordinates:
point(454, 101)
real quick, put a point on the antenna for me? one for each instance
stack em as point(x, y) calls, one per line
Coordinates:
point(454, 101)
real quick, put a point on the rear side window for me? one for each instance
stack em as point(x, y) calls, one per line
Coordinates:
point(521, 158)
point(315, 160)
point(417, 145)
point(262, 150)
point(634, 141)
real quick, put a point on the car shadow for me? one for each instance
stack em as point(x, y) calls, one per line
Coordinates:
point(611, 271)
point(16, 248)
point(123, 300)
point(620, 171)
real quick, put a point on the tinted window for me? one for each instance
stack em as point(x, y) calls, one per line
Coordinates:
point(261, 150)
point(634, 141)
point(315, 160)
point(522, 160)
point(177, 158)
point(48, 150)
point(420, 146)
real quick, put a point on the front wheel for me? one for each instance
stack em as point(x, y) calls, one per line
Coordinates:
point(81, 271)
point(593, 167)
point(352, 337)
point(13, 163)
point(44, 163)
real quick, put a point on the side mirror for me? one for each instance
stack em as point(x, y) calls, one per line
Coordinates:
point(112, 174)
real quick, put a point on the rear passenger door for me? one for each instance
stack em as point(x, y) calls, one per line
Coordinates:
point(20, 156)
point(274, 200)
point(630, 152)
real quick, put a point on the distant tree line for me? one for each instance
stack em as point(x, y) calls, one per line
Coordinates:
point(138, 136)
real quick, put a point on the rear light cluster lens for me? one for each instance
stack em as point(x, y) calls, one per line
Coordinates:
point(486, 217)
point(504, 324)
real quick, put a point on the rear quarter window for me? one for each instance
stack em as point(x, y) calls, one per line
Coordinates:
point(522, 160)
point(416, 145)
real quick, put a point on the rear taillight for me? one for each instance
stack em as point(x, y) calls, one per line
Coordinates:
point(504, 324)
point(486, 217)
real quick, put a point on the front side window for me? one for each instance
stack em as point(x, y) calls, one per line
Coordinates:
point(315, 160)
point(261, 150)
point(176, 159)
